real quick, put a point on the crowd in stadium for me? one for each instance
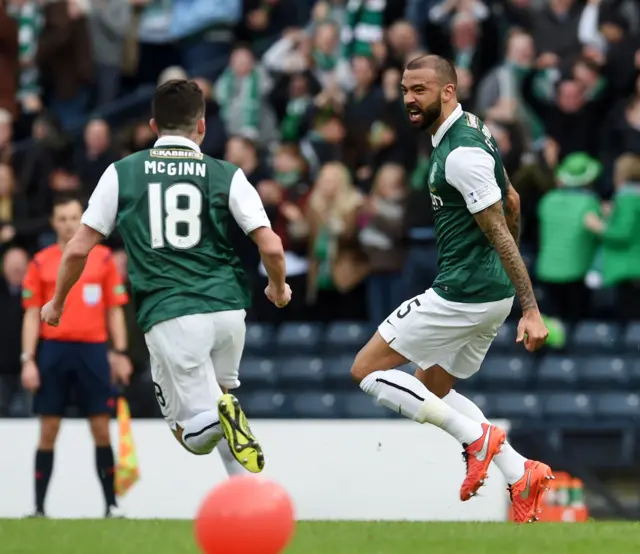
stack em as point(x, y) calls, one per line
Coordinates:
point(305, 97)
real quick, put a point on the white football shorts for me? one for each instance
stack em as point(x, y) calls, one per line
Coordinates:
point(429, 330)
point(191, 358)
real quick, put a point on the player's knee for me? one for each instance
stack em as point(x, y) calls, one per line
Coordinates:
point(436, 379)
point(49, 428)
point(360, 368)
point(100, 431)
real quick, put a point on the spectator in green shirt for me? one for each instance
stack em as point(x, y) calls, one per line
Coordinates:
point(567, 245)
point(620, 235)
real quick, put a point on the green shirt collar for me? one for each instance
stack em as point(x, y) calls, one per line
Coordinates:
point(446, 125)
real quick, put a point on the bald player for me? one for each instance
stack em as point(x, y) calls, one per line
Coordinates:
point(447, 330)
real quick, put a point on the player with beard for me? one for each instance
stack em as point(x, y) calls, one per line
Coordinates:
point(448, 330)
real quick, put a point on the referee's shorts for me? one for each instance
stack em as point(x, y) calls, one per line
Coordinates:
point(74, 373)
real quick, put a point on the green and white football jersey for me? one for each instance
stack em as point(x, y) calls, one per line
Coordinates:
point(466, 176)
point(172, 206)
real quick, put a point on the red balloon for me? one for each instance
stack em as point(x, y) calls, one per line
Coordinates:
point(245, 515)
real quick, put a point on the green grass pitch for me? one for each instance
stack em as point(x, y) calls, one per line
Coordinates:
point(176, 537)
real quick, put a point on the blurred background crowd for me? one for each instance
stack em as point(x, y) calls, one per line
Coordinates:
point(304, 96)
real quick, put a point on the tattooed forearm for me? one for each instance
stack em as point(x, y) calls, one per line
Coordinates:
point(512, 210)
point(494, 225)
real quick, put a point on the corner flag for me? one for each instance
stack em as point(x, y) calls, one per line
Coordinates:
point(127, 471)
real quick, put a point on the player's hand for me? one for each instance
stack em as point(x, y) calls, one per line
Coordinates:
point(30, 376)
point(532, 330)
point(51, 313)
point(278, 297)
point(121, 368)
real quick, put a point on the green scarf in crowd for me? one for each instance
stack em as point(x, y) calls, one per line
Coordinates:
point(240, 94)
point(29, 20)
point(364, 22)
point(322, 251)
point(290, 126)
point(324, 62)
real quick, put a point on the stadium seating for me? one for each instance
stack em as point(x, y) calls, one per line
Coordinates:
point(631, 339)
point(557, 372)
point(301, 373)
point(338, 372)
point(621, 406)
point(569, 407)
point(265, 404)
point(505, 341)
point(303, 370)
point(633, 370)
point(602, 372)
point(516, 406)
point(314, 405)
point(592, 382)
point(20, 405)
point(347, 336)
point(299, 338)
point(595, 337)
point(259, 338)
point(358, 405)
point(506, 372)
point(257, 373)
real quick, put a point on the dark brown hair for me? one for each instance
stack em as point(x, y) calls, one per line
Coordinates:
point(445, 70)
point(178, 105)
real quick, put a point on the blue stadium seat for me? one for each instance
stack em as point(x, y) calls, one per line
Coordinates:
point(257, 373)
point(557, 372)
point(633, 370)
point(20, 405)
point(618, 406)
point(506, 372)
point(632, 338)
point(259, 338)
point(299, 338)
point(569, 407)
point(505, 340)
point(337, 370)
point(300, 372)
point(358, 405)
point(347, 336)
point(264, 404)
point(601, 371)
point(314, 405)
point(516, 406)
point(595, 337)
point(484, 401)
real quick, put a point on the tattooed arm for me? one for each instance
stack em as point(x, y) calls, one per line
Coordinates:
point(494, 225)
point(471, 171)
point(512, 210)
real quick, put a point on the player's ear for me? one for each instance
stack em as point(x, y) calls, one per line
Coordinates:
point(154, 127)
point(448, 92)
point(201, 127)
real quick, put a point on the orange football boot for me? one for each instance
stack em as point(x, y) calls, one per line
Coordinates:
point(478, 456)
point(527, 493)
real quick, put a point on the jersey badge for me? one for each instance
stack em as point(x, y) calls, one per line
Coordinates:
point(91, 294)
point(432, 175)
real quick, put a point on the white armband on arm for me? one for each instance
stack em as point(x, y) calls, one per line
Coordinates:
point(471, 171)
point(245, 204)
point(101, 213)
